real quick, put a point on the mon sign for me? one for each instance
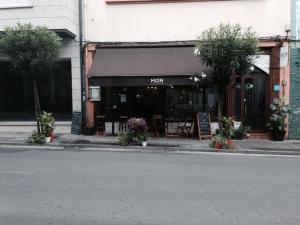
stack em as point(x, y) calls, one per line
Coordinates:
point(157, 80)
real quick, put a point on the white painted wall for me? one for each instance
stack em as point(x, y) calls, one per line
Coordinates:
point(298, 19)
point(181, 21)
point(55, 14)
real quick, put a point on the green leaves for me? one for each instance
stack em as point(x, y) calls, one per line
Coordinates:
point(227, 49)
point(280, 112)
point(29, 48)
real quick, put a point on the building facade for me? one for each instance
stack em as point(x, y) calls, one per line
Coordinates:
point(139, 53)
point(295, 70)
point(59, 88)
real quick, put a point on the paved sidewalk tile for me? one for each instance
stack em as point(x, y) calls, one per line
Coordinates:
point(175, 143)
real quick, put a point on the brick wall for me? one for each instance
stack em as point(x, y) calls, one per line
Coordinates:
point(294, 125)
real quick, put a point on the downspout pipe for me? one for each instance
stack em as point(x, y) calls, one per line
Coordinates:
point(82, 77)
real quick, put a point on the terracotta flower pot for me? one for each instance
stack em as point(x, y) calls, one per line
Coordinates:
point(229, 142)
point(218, 146)
point(51, 136)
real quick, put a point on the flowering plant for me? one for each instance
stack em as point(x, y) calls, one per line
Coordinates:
point(137, 125)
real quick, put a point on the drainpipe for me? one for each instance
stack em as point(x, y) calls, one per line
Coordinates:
point(82, 76)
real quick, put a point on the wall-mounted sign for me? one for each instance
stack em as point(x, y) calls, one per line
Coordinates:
point(284, 56)
point(276, 87)
point(95, 93)
point(123, 98)
point(156, 80)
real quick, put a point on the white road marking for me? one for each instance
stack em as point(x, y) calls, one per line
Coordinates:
point(16, 172)
point(31, 147)
point(190, 152)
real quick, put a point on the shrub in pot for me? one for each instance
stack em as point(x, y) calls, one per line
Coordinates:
point(219, 141)
point(227, 128)
point(143, 138)
point(36, 138)
point(47, 122)
point(277, 124)
point(137, 130)
point(124, 139)
point(241, 132)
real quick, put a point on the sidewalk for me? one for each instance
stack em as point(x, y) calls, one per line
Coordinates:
point(69, 142)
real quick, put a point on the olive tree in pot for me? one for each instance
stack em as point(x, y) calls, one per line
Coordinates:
point(277, 123)
point(30, 50)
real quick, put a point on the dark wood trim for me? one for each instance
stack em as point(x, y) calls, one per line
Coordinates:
point(188, 43)
point(111, 2)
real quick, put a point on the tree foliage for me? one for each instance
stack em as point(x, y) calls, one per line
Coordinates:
point(30, 49)
point(227, 49)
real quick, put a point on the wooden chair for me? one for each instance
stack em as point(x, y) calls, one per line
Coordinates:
point(158, 125)
point(100, 124)
point(189, 126)
point(122, 123)
point(172, 129)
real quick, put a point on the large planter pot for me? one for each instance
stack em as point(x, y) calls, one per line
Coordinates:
point(218, 146)
point(278, 135)
point(144, 143)
point(48, 139)
point(51, 136)
point(239, 135)
point(230, 142)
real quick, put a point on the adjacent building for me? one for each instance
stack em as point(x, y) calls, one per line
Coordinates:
point(59, 88)
point(139, 54)
point(295, 70)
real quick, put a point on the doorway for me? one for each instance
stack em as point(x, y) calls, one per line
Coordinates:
point(250, 100)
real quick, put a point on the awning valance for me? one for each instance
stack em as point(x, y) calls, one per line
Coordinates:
point(151, 61)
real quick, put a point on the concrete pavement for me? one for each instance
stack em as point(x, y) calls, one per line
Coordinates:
point(94, 143)
point(111, 188)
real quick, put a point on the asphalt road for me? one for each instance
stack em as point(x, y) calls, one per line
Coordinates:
point(111, 188)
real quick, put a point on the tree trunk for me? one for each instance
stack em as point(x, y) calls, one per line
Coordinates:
point(221, 102)
point(37, 106)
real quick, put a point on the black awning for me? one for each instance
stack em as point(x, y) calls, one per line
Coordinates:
point(143, 61)
point(141, 81)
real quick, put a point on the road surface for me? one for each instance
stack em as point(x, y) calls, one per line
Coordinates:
point(39, 187)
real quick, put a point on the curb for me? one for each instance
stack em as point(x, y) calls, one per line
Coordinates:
point(149, 149)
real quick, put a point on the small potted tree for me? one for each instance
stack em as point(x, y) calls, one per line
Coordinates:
point(47, 122)
point(227, 129)
point(277, 124)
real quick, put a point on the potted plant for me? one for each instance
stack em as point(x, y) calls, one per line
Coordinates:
point(143, 138)
point(277, 123)
point(219, 142)
point(227, 128)
point(137, 130)
point(47, 125)
point(241, 132)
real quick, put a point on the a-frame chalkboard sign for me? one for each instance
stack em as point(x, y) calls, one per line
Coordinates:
point(203, 124)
